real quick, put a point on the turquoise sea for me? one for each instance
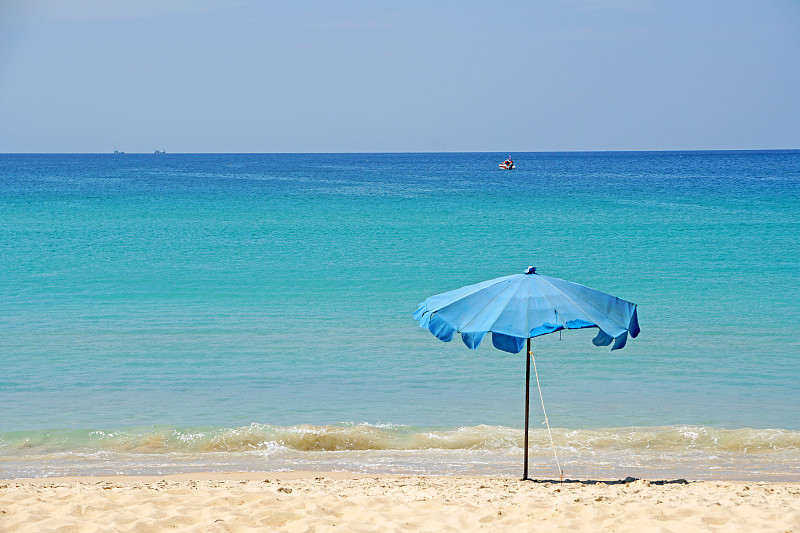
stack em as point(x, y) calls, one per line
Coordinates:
point(204, 312)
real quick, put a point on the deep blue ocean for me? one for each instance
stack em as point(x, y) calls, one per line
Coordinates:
point(183, 312)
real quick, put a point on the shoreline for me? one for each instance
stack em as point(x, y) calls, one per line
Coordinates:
point(328, 501)
point(658, 452)
point(337, 475)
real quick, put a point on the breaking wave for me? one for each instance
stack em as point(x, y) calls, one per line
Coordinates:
point(361, 437)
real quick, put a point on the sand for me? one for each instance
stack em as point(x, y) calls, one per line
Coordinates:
point(308, 501)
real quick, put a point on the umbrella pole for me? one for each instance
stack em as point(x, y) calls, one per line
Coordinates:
point(527, 404)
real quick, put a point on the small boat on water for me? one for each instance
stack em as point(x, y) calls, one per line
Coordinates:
point(508, 164)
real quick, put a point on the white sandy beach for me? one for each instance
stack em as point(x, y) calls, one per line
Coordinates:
point(312, 501)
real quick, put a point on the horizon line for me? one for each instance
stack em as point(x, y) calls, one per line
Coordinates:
point(419, 152)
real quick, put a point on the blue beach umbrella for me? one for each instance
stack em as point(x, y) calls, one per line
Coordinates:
point(516, 308)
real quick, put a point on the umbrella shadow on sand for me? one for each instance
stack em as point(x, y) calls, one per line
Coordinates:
point(609, 482)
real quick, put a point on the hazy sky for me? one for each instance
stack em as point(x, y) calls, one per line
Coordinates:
point(367, 76)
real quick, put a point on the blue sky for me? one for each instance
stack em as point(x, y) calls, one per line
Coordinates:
point(357, 76)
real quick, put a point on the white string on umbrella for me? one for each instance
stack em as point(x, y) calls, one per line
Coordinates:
point(546, 421)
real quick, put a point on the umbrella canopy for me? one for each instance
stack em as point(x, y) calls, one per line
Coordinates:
point(518, 307)
point(522, 306)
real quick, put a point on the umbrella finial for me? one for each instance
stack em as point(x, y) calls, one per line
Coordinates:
point(531, 270)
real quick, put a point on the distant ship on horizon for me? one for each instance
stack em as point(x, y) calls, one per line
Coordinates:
point(118, 152)
point(160, 152)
